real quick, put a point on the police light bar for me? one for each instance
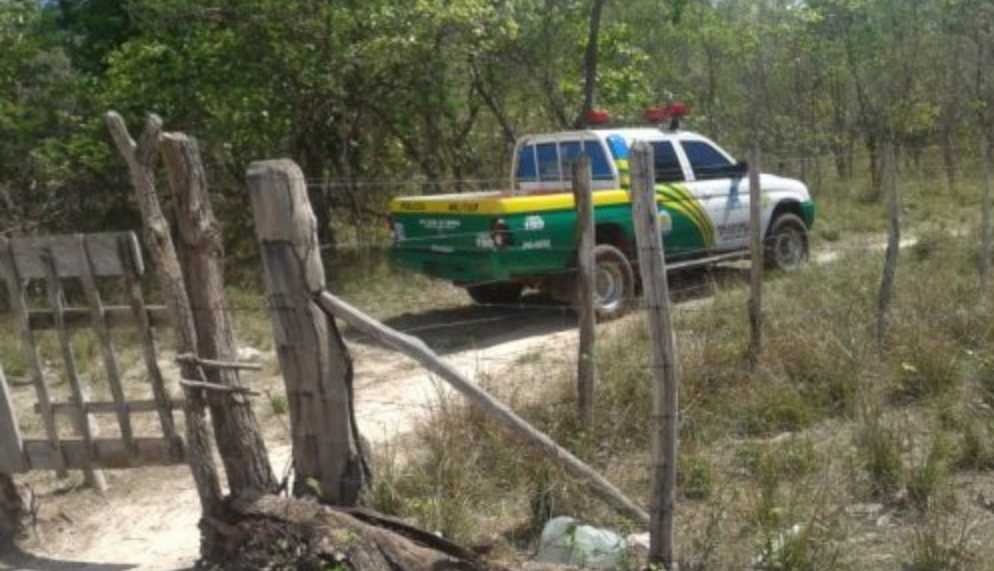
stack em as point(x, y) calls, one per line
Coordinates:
point(598, 117)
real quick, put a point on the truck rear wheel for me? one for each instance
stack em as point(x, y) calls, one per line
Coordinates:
point(499, 293)
point(614, 282)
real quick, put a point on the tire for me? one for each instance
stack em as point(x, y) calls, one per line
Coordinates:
point(786, 243)
point(614, 282)
point(499, 293)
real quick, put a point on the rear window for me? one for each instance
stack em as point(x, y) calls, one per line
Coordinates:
point(527, 171)
point(568, 152)
point(548, 162)
point(598, 160)
point(706, 161)
point(668, 167)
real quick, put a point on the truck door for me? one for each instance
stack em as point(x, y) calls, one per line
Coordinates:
point(725, 198)
point(686, 227)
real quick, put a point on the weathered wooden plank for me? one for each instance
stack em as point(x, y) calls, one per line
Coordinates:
point(19, 305)
point(101, 407)
point(84, 425)
point(99, 323)
point(585, 239)
point(142, 315)
point(116, 317)
point(109, 453)
point(316, 365)
point(64, 250)
point(417, 350)
point(652, 266)
point(215, 364)
point(11, 444)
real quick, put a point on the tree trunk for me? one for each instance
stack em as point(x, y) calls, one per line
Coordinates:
point(590, 58)
point(876, 180)
point(239, 439)
point(949, 157)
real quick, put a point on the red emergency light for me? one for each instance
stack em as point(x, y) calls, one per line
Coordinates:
point(672, 112)
point(598, 117)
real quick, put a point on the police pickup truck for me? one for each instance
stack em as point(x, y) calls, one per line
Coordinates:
point(495, 244)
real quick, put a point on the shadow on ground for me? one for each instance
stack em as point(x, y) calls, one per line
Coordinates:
point(471, 326)
point(17, 560)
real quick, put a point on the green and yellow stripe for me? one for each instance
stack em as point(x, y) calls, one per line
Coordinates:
point(681, 200)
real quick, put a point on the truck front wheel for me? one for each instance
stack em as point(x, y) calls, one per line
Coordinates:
point(499, 293)
point(786, 243)
point(614, 282)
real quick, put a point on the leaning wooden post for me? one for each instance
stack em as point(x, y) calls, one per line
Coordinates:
point(12, 508)
point(316, 365)
point(986, 224)
point(586, 363)
point(652, 266)
point(239, 438)
point(11, 445)
point(142, 158)
point(886, 293)
point(514, 424)
point(756, 269)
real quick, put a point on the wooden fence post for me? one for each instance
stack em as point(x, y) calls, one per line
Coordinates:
point(585, 237)
point(986, 224)
point(886, 293)
point(316, 365)
point(652, 266)
point(756, 269)
point(142, 158)
point(239, 438)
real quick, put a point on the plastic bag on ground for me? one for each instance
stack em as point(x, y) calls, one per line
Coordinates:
point(564, 540)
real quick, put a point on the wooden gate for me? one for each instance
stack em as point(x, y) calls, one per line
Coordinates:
point(39, 272)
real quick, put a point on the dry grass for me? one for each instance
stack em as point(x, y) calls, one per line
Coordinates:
point(777, 463)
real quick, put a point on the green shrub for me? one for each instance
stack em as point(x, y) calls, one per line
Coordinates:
point(774, 408)
point(928, 367)
point(279, 404)
point(975, 451)
point(694, 478)
point(927, 476)
point(880, 450)
point(935, 546)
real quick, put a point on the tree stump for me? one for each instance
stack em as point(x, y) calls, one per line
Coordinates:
point(288, 533)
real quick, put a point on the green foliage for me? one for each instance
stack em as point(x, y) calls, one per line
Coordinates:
point(940, 545)
point(879, 447)
point(928, 475)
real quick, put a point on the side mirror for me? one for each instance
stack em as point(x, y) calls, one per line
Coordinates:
point(739, 169)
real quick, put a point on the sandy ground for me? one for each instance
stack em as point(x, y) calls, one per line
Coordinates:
point(148, 518)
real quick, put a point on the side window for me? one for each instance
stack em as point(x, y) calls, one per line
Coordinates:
point(548, 162)
point(598, 160)
point(706, 161)
point(668, 167)
point(568, 152)
point(527, 171)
